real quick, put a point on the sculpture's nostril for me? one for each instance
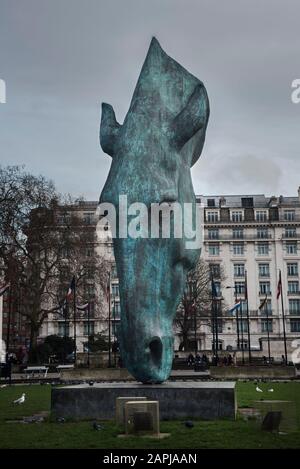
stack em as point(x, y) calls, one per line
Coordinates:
point(156, 349)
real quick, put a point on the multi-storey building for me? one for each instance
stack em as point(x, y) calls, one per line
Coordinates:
point(253, 238)
point(247, 237)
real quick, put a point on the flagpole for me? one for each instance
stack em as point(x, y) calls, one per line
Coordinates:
point(214, 320)
point(268, 332)
point(88, 357)
point(248, 318)
point(283, 319)
point(115, 342)
point(74, 307)
point(8, 322)
point(237, 319)
point(109, 324)
point(65, 309)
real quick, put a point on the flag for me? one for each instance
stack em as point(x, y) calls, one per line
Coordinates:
point(236, 306)
point(262, 304)
point(71, 288)
point(279, 286)
point(4, 288)
point(82, 307)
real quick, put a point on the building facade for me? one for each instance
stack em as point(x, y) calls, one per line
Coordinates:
point(249, 238)
point(253, 238)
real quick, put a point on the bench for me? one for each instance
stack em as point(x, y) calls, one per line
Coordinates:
point(64, 367)
point(36, 369)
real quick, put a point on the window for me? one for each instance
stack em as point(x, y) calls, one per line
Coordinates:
point(211, 203)
point(261, 215)
point(89, 252)
point(294, 307)
point(243, 308)
point(213, 233)
point(88, 330)
point(263, 249)
point(212, 217)
point(289, 215)
point(295, 325)
point(264, 270)
point(262, 233)
point(267, 325)
point(117, 310)
point(247, 201)
point(264, 288)
point(215, 270)
point(237, 216)
point(214, 249)
point(267, 309)
point(115, 290)
point(292, 269)
point(218, 288)
point(244, 344)
point(219, 326)
point(291, 248)
point(114, 273)
point(290, 232)
point(239, 270)
point(238, 233)
point(293, 287)
point(88, 218)
point(115, 328)
point(62, 327)
point(220, 345)
point(239, 288)
point(238, 249)
point(243, 325)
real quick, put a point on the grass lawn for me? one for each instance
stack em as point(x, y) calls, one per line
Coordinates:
point(204, 434)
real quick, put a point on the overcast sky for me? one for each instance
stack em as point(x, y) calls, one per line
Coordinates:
point(61, 58)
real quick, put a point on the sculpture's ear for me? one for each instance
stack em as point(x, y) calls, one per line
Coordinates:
point(193, 117)
point(109, 129)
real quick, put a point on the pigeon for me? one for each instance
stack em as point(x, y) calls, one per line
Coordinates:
point(97, 426)
point(271, 390)
point(60, 420)
point(189, 424)
point(21, 400)
point(258, 389)
point(91, 383)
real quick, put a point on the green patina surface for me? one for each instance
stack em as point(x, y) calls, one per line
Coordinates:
point(152, 153)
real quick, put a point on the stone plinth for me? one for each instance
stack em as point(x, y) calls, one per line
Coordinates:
point(206, 400)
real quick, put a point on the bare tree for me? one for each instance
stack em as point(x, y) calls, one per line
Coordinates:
point(195, 308)
point(43, 243)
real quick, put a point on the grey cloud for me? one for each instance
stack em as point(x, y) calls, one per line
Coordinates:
point(61, 58)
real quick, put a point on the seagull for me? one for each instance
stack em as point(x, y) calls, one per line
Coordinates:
point(60, 420)
point(258, 389)
point(3, 386)
point(271, 390)
point(21, 400)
